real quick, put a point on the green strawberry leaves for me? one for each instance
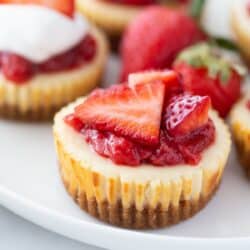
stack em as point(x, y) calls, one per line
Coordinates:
point(196, 8)
point(210, 56)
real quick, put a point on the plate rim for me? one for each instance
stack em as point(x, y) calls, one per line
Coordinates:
point(22, 206)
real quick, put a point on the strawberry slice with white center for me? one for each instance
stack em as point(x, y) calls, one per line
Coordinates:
point(130, 112)
point(185, 113)
point(66, 7)
point(170, 78)
point(165, 76)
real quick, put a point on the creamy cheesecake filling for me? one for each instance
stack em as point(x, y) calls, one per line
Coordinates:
point(241, 12)
point(241, 113)
point(75, 145)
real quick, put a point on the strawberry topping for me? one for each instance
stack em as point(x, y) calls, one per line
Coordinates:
point(65, 7)
point(19, 70)
point(74, 122)
point(143, 122)
point(16, 68)
point(133, 113)
point(186, 113)
point(171, 80)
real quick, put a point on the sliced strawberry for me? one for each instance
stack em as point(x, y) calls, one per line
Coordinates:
point(170, 78)
point(155, 37)
point(129, 112)
point(16, 68)
point(74, 122)
point(185, 113)
point(64, 6)
point(197, 81)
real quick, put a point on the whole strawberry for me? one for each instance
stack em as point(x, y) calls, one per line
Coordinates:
point(155, 37)
point(207, 70)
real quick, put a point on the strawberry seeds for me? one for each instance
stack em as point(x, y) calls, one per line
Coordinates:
point(140, 123)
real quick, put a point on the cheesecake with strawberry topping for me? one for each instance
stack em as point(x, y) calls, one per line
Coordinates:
point(49, 55)
point(240, 126)
point(207, 69)
point(143, 154)
point(113, 16)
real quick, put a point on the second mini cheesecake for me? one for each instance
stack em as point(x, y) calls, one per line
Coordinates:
point(56, 57)
point(240, 124)
point(240, 22)
point(143, 154)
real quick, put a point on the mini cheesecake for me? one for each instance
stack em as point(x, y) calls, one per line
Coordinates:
point(38, 76)
point(240, 22)
point(239, 120)
point(142, 155)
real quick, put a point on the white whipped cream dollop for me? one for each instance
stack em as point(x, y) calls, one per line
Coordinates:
point(216, 17)
point(38, 33)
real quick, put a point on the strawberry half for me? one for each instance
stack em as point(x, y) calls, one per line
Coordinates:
point(185, 113)
point(155, 37)
point(129, 112)
point(171, 80)
point(66, 7)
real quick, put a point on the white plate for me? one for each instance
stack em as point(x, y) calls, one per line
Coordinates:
point(31, 187)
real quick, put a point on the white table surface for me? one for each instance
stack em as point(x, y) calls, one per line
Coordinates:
point(17, 233)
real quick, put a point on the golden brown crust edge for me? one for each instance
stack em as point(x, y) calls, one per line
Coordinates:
point(40, 99)
point(242, 36)
point(41, 105)
point(86, 188)
point(242, 142)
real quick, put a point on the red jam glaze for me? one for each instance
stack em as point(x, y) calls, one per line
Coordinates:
point(170, 151)
point(18, 69)
point(248, 104)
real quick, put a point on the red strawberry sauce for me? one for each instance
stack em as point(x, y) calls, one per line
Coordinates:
point(171, 150)
point(18, 69)
point(248, 104)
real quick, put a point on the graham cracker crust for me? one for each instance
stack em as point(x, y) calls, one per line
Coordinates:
point(243, 152)
point(148, 218)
